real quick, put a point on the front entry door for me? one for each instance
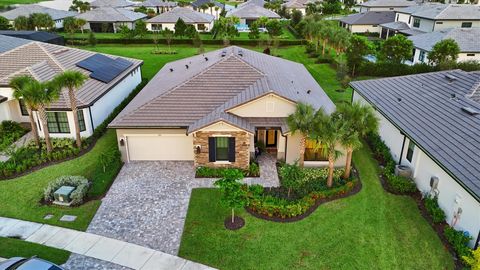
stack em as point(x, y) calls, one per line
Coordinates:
point(271, 138)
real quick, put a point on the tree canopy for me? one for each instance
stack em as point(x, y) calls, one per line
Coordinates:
point(359, 48)
point(396, 49)
point(444, 52)
point(4, 23)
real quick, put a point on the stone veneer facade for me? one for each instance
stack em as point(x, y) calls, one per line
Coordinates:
point(242, 149)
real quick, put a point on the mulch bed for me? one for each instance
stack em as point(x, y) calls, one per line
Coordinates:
point(238, 223)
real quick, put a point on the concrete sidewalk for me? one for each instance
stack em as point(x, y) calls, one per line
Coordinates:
point(95, 246)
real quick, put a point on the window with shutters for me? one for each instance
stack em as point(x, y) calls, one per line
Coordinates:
point(221, 149)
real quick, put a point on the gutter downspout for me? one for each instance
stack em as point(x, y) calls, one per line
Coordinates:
point(91, 118)
point(401, 152)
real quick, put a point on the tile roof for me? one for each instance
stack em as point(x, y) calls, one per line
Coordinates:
point(369, 17)
point(419, 7)
point(395, 25)
point(110, 14)
point(156, 3)
point(26, 10)
point(111, 3)
point(449, 12)
point(42, 36)
point(430, 113)
point(7, 43)
point(297, 3)
point(186, 14)
point(43, 61)
point(467, 39)
point(388, 3)
point(252, 10)
point(199, 3)
point(202, 94)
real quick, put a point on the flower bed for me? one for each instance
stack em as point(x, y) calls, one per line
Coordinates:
point(209, 172)
point(80, 183)
point(9, 133)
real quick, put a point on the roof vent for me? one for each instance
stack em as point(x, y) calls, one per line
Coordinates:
point(186, 66)
point(206, 58)
point(470, 110)
point(171, 69)
point(309, 91)
point(453, 95)
point(399, 99)
point(450, 78)
point(240, 52)
point(224, 53)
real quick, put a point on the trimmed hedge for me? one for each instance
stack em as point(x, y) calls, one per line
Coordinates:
point(437, 214)
point(382, 69)
point(459, 241)
point(209, 172)
point(80, 183)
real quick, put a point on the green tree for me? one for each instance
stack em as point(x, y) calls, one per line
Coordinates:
point(20, 91)
point(296, 18)
point(73, 81)
point(80, 23)
point(180, 28)
point(140, 28)
point(396, 49)
point(274, 28)
point(302, 121)
point(69, 25)
point(41, 21)
point(292, 176)
point(444, 52)
point(359, 48)
point(21, 23)
point(233, 196)
point(225, 28)
point(168, 35)
point(331, 7)
point(92, 40)
point(190, 31)
point(126, 33)
point(4, 23)
point(340, 39)
point(254, 31)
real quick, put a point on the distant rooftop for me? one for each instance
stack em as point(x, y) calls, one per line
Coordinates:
point(186, 14)
point(369, 17)
point(468, 39)
point(111, 3)
point(388, 3)
point(156, 3)
point(27, 10)
point(110, 14)
point(199, 3)
point(252, 9)
point(445, 11)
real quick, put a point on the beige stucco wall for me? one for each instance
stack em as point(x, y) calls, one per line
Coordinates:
point(365, 28)
point(220, 126)
point(270, 105)
point(171, 26)
point(454, 24)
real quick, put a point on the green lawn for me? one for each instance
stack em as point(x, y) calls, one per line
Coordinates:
point(370, 230)
point(20, 197)
point(18, 248)
point(13, 2)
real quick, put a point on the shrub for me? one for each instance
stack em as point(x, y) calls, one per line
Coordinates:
point(459, 241)
point(9, 133)
point(80, 183)
point(473, 260)
point(253, 169)
point(437, 214)
point(291, 176)
point(400, 184)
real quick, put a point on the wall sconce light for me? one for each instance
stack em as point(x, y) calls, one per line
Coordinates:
point(198, 149)
point(122, 142)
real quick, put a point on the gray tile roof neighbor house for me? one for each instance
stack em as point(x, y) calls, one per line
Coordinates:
point(199, 3)
point(186, 14)
point(7, 43)
point(430, 109)
point(388, 3)
point(297, 3)
point(468, 39)
point(395, 25)
point(447, 12)
point(42, 36)
point(43, 61)
point(109, 14)
point(156, 3)
point(252, 10)
point(198, 91)
point(369, 18)
point(27, 10)
point(111, 3)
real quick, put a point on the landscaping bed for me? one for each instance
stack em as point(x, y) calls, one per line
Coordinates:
point(10, 132)
point(209, 172)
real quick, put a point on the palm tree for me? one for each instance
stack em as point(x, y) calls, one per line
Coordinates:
point(72, 80)
point(43, 94)
point(328, 133)
point(359, 120)
point(18, 85)
point(302, 121)
point(80, 23)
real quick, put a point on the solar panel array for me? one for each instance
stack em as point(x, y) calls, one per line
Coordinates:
point(104, 68)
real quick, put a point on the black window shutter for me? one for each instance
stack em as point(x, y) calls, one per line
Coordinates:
point(211, 149)
point(231, 149)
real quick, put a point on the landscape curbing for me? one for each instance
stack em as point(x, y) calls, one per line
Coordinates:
point(95, 246)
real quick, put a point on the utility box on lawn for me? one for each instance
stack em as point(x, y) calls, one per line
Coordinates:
point(62, 195)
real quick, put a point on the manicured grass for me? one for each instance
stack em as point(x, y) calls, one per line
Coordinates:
point(20, 197)
point(13, 2)
point(370, 230)
point(18, 248)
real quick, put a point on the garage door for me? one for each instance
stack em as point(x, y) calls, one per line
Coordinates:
point(166, 147)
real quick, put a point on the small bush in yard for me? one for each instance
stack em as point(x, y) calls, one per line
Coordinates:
point(400, 184)
point(459, 241)
point(80, 183)
point(10, 132)
point(473, 260)
point(291, 176)
point(437, 214)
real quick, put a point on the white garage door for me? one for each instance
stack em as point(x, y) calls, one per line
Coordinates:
point(166, 147)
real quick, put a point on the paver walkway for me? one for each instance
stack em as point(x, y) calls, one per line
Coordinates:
point(95, 246)
point(268, 171)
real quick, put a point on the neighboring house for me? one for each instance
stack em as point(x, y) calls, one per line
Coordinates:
point(110, 81)
point(431, 124)
point(300, 5)
point(159, 6)
point(108, 19)
point(111, 3)
point(468, 39)
point(367, 22)
point(212, 108)
point(215, 10)
point(26, 10)
point(385, 5)
point(42, 36)
point(202, 22)
point(251, 11)
point(429, 17)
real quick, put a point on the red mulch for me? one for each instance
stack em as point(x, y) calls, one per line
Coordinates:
point(238, 223)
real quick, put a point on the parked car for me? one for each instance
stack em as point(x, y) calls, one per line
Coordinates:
point(19, 263)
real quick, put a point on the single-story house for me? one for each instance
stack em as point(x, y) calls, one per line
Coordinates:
point(111, 79)
point(111, 3)
point(215, 10)
point(26, 10)
point(385, 5)
point(213, 108)
point(431, 124)
point(42, 36)
point(251, 11)
point(367, 22)
point(159, 6)
point(300, 5)
point(203, 22)
point(109, 19)
point(468, 39)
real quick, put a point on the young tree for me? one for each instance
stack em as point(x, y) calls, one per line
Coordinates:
point(126, 33)
point(331, 7)
point(80, 23)
point(302, 121)
point(225, 28)
point(180, 28)
point(4, 23)
point(21, 23)
point(190, 31)
point(254, 31)
point(168, 35)
point(41, 21)
point(291, 176)
point(274, 28)
point(92, 40)
point(73, 81)
point(444, 51)
point(296, 18)
point(396, 49)
point(233, 195)
point(359, 48)
point(140, 28)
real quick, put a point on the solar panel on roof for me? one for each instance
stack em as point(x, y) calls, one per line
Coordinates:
point(94, 62)
point(104, 68)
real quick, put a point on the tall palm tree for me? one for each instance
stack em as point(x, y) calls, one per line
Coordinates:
point(328, 133)
point(18, 84)
point(72, 80)
point(359, 120)
point(43, 94)
point(302, 121)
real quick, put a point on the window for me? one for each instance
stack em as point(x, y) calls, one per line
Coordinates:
point(409, 19)
point(311, 154)
point(221, 149)
point(466, 24)
point(411, 147)
point(23, 108)
point(57, 122)
point(201, 27)
point(81, 120)
point(421, 56)
point(438, 22)
point(221, 144)
point(470, 54)
point(397, 17)
point(156, 27)
point(416, 23)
